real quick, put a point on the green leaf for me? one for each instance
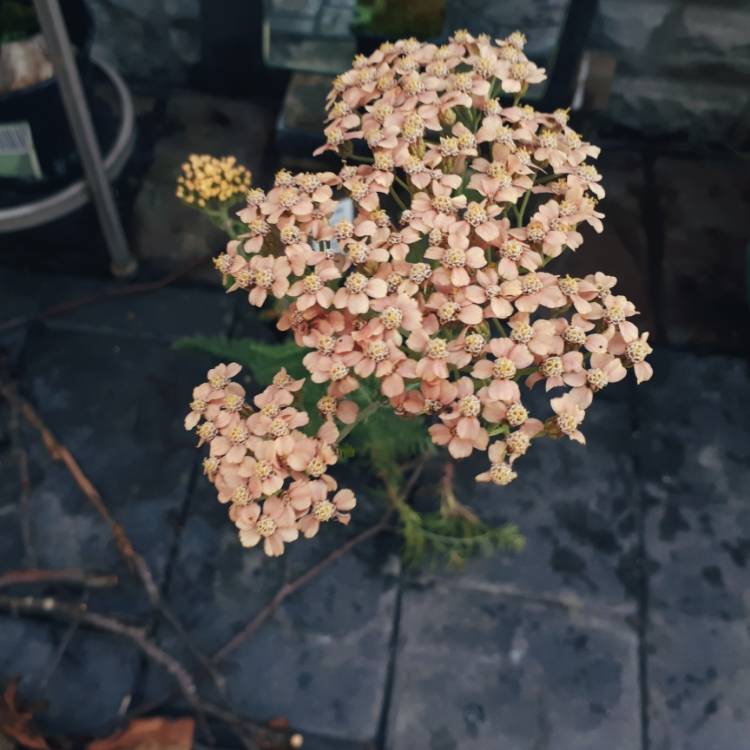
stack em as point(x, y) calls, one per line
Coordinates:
point(261, 359)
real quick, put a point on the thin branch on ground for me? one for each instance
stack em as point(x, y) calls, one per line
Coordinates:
point(24, 484)
point(68, 306)
point(62, 647)
point(134, 560)
point(71, 576)
point(288, 588)
point(52, 608)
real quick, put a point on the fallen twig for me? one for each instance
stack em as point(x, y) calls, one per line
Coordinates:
point(135, 561)
point(49, 607)
point(107, 294)
point(72, 576)
point(24, 484)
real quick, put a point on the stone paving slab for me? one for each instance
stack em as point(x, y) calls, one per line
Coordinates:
point(169, 314)
point(621, 250)
point(477, 671)
point(578, 510)
point(706, 234)
point(321, 661)
point(20, 297)
point(86, 689)
point(117, 404)
point(695, 463)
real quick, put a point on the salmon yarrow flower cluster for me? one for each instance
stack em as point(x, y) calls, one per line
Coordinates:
point(437, 294)
point(272, 474)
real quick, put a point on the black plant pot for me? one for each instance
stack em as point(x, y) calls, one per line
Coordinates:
point(42, 108)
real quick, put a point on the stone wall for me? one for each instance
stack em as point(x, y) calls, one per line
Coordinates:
point(682, 67)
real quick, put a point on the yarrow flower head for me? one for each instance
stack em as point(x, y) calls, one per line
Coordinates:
point(204, 178)
point(438, 299)
point(272, 475)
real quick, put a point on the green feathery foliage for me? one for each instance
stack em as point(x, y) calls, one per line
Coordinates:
point(434, 538)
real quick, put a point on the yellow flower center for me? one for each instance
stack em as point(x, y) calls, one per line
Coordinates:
point(377, 351)
point(241, 495)
point(518, 443)
point(264, 278)
point(207, 431)
point(567, 423)
point(470, 406)
point(596, 379)
point(238, 434)
point(312, 283)
point(316, 467)
point(357, 252)
point(270, 410)
point(575, 335)
point(637, 351)
point(502, 474)
point(442, 204)
point(265, 526)
point(437, 349)
point(198, 405)
point(552, 367)
point(475, 214)
point(392, 318)
point(530, 284)
point(339, 371)
point(419, 272)
point(568, 285)
point(323, 510)
point(279, 427)
point(454, 257)
point(474, 343)
point(356, 283)
point(521, 333)
point(263, 469)
point(448, 311)
point(535, 231)
point(504, 369)
point(327, 406)
point(512, 250)
point(516, 415)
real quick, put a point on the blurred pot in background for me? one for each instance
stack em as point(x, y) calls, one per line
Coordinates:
point(378, 21)
point(32, 118)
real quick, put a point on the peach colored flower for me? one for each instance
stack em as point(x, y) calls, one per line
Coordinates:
point(326, 510)
point(357, 291)
point(274, 524)
point(510, 357)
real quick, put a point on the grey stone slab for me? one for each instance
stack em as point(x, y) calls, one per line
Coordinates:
point(321, 660)
point(694, 444)
point(19, 298)
point(621, 249)
point(168, 314)
point(83, 690)
point(576, 507)
point(704, 257)
point(477, 671)
point(118, 405)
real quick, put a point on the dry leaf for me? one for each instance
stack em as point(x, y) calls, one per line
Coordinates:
point(150, 734)
point(16, 723)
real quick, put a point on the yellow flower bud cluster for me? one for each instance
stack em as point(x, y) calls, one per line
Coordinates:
point(205, 178)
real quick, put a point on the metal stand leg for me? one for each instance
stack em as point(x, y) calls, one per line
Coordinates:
point(123, 264)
